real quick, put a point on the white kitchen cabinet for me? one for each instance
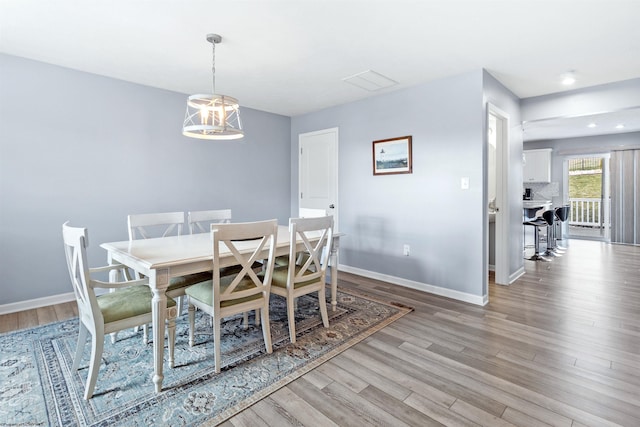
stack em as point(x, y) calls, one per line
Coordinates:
point(537, 166)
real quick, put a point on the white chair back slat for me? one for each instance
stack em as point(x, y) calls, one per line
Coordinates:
point(200, 221)
point(161, 224)
point(232, 237)
point(316, 252)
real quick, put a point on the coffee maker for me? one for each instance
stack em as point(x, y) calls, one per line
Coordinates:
point(527, 194)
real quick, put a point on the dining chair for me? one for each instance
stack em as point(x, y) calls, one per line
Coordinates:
point(222, 297)
point(306, 276)
point(200, 221)
point(164, 224)
point(283, 261)
point(145, 226)
point(129, 304)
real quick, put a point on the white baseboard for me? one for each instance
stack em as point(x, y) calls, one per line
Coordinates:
point(436, 290)
point(515, 276)
point(35, 303)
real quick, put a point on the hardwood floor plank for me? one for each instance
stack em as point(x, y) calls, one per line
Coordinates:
point(439, 413)
point(8, 322)
point(334, 409)
point(27, 319)
point(478, 416)
point(361, 406)
point(300, 409)
point(273, 414)
point(398, 408)
point(344, 377)
point(46, 315)
point(247, 418)
point(66, 310)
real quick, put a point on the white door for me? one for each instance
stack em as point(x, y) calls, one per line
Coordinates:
point(501, 194)
point(318, 171)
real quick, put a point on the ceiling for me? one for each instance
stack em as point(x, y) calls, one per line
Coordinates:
point(290, 56)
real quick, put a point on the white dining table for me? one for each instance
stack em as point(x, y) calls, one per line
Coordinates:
point(163, 258)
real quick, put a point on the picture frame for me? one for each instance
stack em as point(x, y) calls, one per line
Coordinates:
point(392, 156)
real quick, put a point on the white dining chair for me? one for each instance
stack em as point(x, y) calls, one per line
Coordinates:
point(200, 221)
point(128, 305)
point(222, 297)
point(309, 273)
point(283, 261)
point(145, 226)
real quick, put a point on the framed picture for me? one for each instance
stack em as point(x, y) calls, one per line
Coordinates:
point(391, 156)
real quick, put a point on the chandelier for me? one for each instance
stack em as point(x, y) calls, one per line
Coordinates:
point(214, 117)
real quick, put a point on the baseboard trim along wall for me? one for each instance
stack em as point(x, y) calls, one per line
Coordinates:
point(36, 303)
point(515, 276)
point(436, 290)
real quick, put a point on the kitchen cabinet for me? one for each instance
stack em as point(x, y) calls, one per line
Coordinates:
point(537, 166)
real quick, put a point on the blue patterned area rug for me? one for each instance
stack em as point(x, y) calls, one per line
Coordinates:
point(38, 388)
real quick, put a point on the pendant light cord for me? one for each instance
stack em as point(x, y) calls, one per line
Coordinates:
point(213, 68)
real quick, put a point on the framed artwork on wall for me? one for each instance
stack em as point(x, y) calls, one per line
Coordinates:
point(392, 156)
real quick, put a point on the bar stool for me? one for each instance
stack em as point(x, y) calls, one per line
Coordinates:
point(562, 215)
point(536, 224)
point(549, 218)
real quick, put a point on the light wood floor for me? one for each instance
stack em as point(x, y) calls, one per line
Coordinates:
point(559, 347)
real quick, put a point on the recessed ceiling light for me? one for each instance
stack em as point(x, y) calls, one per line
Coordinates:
point(591, 125)
point(620, 126)
point(569, 78)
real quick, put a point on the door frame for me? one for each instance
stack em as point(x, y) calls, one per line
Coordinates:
point(502, 196)
point(335, 131)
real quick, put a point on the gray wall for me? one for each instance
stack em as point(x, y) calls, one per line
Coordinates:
point(444, 225)
point(80, 147)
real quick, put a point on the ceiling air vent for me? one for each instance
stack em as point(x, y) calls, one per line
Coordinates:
point(370, 80)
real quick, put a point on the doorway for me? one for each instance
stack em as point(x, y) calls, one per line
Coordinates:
point(497, 193)
point(586, 182)
point(318, 171)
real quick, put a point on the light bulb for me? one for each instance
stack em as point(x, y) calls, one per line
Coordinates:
point(204, 116)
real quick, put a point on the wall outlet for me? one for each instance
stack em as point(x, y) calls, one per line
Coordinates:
point(406, 250)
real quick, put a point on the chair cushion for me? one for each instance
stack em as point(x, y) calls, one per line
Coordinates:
point(127, 302)
point(188, 280)
point(283, 261)
point(280, 275)
point(204, 291)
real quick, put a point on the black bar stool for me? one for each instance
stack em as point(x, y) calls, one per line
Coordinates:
point(549, 218)
point(536, 223)
point(562, 215)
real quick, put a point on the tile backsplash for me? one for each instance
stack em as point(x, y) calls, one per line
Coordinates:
point(543, 190)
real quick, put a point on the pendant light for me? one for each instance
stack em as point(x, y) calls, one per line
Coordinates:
point(214, 117)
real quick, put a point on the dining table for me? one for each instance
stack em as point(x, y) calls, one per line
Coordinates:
point(162, 258)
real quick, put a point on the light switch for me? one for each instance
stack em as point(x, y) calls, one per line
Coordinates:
point(464, 183)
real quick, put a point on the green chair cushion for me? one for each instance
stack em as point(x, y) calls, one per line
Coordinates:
point(127, 302)
point(280, 275)
point(283, 261)
point(204, 291)
point(188, 280)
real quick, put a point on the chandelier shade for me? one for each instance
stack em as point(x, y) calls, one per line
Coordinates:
point(213, 117)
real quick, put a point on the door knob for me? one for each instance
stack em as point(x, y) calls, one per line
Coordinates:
point(332, 206)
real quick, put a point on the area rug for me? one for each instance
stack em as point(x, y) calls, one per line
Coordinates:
point(38, 387)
